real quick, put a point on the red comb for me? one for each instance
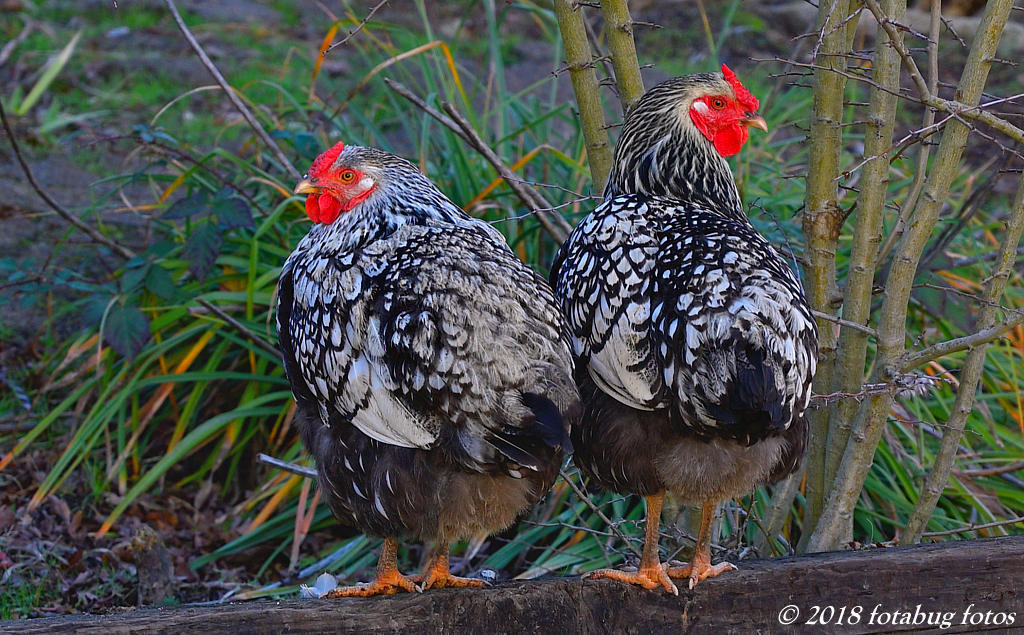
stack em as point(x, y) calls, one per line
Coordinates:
point(326, 160)
point(744, 96)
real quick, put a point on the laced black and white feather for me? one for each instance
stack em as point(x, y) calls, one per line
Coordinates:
point(674, 300)
point(418, 325)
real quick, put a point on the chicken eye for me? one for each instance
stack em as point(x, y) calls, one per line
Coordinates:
point(718, 103)
point(348, 176)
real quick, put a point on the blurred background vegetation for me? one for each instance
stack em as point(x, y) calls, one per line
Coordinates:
point(139, 391)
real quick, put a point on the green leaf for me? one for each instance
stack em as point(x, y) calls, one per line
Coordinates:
point(198, 203)
point(161, 248)
point(95, 306)
point(79, 285)
point(306, 144)
point(160, 283)
point(126, 330)
point(202, 249)
point(132, 278)
point(232, 211)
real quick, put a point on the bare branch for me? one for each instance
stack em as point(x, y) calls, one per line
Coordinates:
point(241, 328)
point(867, 429)
point(984, 336)
point(241, 107)
point(905, 385)
point(867, 330)
point(821, 222)
point(600, 514)
point(357, 29)
point(552, 223)
point(8, 49)
point(92, 232)
point(970, 374)
point(301, 470)
point(972, 527)
point(867, 235)
point(967, 111)
point(991, 471)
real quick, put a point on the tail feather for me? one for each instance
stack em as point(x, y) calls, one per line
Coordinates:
point(752, 403)
point(542, 431)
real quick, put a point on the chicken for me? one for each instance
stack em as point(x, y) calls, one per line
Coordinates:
point(695, 345)
point(431, 368)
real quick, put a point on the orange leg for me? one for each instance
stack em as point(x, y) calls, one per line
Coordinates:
point(436, 574)
point(651, 573)
point(700, 568)
point(388, 580)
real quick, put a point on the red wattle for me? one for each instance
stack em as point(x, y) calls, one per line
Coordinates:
point(330, 208)
point(323, 208)
point(313, 208)
point(730, 139)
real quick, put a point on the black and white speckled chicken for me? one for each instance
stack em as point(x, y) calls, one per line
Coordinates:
point(695, 345)
point(431, 368)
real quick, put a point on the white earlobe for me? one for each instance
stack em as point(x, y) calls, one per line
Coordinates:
point(365, 184)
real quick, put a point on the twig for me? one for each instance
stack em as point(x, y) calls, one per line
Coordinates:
point(849, 362)
point(928, 97)
point(984, 336)
point(821, 222)
point(783, 495)
point(992, 471)
point(600, 514)
point(17, 427)
point(301, 470)
point(265, 345)
point(8, 49)
point(559, 229)
point(357, 29)
point(867, 330)
point(241, 107)
point(908, 384)
point(973, 527)
point(553, 223)
point(93, 233)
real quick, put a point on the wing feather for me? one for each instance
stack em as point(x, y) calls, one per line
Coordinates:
point(445, 335)
point(603, 279)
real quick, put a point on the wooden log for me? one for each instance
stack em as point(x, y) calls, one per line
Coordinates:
point(973, 585)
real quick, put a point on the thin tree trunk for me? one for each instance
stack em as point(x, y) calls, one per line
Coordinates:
point(618, 28)
point(821, 223)
point(867, 236)
point(585, 86)
point(837, 516)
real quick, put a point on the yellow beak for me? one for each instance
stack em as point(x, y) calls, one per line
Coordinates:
point(754, 120)
point(305, 187)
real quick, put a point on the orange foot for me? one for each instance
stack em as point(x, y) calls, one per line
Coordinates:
point(700, 569)
point(647, 577)
point(438, 576)
point(434, 580)
point(388, 584)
